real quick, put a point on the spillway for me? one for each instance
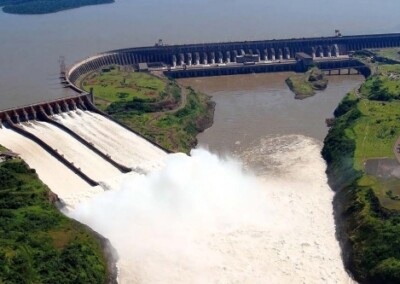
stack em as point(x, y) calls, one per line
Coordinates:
point(198, 219)
point(123, 146)
point(60, 179)
point(81, 156)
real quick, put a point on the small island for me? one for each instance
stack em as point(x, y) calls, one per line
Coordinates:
point(30, 7)
point(306, 84)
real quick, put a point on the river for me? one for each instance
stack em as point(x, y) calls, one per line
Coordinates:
point(30, 46)
point(257, 121)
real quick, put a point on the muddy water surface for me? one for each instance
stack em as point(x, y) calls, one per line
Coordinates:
point(252, 106)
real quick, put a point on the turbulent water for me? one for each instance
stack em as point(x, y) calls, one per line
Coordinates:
point(123, 146)
point(206, 219)
point(264, 216)
point(57, 176)
point(106, 135)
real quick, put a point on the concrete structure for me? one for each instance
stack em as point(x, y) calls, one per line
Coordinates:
point(143, 67)
point(12, 118)
point(177, 61)
point(197, 55)
point(304, 60)
point(248, 58)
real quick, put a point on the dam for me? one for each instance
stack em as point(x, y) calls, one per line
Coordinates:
point(87, 152)
point(80, 146)
point(66, 127)
point(228, 58)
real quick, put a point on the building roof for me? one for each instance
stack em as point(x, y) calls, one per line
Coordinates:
point(143, 67)
point(303, 55)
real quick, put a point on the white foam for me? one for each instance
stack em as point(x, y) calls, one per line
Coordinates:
point(81, 156)
point(122, 145)
point(201, 219)
point(60, 179)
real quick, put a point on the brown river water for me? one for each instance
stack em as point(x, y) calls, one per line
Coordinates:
point(249, 107)
point(290, 238)
point(31, 45)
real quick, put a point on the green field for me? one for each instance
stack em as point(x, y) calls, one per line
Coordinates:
point(377, 126)
point(38, 244)
point(157, 108)
point(376, 130)
point(386, 81)
point(119, 85)
point(366, 127)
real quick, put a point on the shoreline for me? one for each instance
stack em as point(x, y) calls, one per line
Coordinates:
point(364, 211)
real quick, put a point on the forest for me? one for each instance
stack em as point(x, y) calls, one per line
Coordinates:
point(38, 244)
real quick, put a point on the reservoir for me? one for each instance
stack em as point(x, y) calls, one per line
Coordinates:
point(258, 123)
point(30, 46)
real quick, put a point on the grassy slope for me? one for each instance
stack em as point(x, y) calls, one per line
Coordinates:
point(38, 244)
point(368, 220)
point(153, 106)
point(119, 85)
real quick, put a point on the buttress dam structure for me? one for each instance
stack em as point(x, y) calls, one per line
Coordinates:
point(225, 58)
point(71, 132)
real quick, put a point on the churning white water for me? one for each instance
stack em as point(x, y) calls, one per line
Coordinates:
point(123, 146)
point(60, 179)
point(81, 156)
point(204, 219)
point(263, 217)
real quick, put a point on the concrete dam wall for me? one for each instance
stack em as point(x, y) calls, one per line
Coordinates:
point(192, 55)
point(72, 147)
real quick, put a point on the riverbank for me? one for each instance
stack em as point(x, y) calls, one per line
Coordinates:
point(39, 243)
point(367, 214)
point(156, 107)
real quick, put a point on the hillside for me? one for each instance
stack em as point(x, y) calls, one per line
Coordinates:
point(361, 151)
point(38, 244)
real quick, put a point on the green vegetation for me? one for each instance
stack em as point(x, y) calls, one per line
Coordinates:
point(45, 6)
point(366, 127)
point(389, 53)
point(38, 244)
point(306, 84)
point(158, 108)
point(385, 86)
point(121, 90)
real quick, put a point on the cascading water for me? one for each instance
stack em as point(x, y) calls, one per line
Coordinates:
point(263, 218)
point(203, 219)
point(124, 146)
point(81, 156)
